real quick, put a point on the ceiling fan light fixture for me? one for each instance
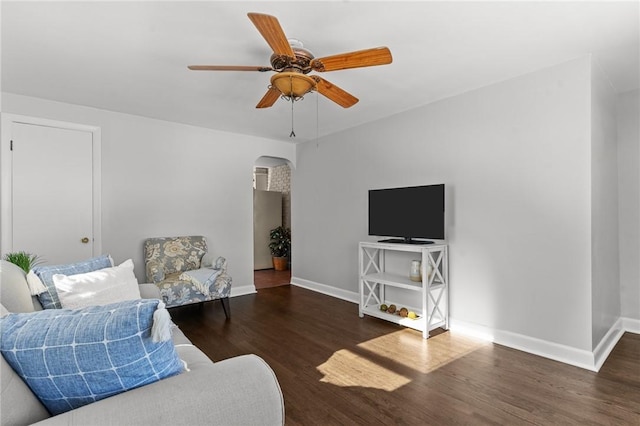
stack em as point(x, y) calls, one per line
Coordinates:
point(292, 84)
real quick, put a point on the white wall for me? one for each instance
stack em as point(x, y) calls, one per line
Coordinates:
point(163, 179)
point(605, 271)
point(628, 112)
point(515, 157)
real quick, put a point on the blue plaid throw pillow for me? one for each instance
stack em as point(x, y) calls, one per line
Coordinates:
point(49, 299)
point(73, 357)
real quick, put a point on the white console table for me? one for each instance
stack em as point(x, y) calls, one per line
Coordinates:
point(432, 292)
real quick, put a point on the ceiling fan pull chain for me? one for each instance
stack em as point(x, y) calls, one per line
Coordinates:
point(292, 134)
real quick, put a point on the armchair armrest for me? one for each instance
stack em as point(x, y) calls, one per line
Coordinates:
point(246, 392)
point(154, 271)
point(221, 263)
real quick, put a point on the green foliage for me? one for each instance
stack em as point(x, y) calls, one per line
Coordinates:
point(26, 261)
point(280, 244)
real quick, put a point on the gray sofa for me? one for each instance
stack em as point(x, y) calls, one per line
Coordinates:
point(238, 391)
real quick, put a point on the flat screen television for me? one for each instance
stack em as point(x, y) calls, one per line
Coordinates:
point(407, 213)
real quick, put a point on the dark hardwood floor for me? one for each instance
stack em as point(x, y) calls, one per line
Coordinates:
point(267, 278)
point(335, 368)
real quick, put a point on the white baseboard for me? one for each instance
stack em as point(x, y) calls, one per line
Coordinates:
point(609, 341)
point(562, 353)
point(631, 325)
point(339, 293)
point(606, 345)
point(242, 290)
point(589, 360)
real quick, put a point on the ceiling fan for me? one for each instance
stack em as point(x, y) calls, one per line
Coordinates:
point(292, 62)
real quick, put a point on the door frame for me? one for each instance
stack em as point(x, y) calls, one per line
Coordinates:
point(6, 173)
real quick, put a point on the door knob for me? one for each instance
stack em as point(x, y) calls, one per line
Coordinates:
point(85, 240)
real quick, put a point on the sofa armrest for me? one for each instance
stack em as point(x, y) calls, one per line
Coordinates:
point(238, 391)
point(149, 291)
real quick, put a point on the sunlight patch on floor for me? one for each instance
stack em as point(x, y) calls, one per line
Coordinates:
point(345, 368)
point(408, 348)
point(404, 349)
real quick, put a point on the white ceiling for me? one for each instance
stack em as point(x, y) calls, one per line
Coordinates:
point(132, 57)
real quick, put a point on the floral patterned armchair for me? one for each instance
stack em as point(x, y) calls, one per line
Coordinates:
point(185, 273)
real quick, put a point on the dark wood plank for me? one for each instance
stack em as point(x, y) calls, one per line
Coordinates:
point(267, 278)
point(335, 368)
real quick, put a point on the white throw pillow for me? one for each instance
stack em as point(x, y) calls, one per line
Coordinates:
point(101, 287)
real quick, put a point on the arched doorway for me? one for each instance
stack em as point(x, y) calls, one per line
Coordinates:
point(271, 209)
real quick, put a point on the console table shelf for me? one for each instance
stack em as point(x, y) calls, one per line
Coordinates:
point(433, 290)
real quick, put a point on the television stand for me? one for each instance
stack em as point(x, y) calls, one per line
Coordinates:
point(406, 241)
point(384, 279)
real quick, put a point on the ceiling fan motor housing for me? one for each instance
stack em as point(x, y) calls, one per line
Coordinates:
point(301, 62)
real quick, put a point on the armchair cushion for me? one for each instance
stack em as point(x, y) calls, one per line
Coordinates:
point(201, 278)
point(178, 292)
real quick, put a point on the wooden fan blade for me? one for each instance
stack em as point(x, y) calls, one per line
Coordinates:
point(358, 59)
point(272, 32)
point(228, 68)
point(334, 93)
point(269, 98)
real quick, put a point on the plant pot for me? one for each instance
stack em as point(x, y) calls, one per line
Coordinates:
point(280, 263)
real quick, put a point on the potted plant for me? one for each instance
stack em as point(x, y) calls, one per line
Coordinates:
point(26, 261)
point(280, 247)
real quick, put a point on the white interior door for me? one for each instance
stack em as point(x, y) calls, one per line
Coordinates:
point(52, 188)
